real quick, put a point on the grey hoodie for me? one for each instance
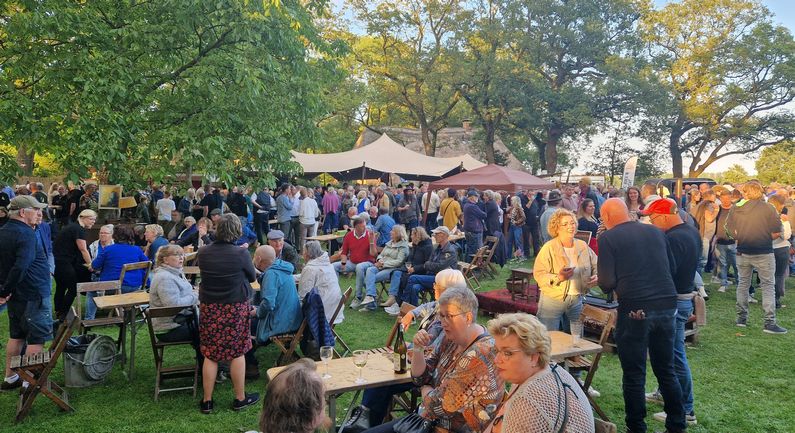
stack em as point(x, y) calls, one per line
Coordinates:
point(752, 223)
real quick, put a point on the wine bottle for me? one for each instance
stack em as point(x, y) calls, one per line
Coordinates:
point(400, 352)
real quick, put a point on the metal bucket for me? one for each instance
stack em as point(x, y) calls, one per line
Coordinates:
point(88, 359)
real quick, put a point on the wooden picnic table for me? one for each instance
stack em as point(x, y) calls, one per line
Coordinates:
point(378, 372)
point(325, 238)
point(562, 347)
point(191, 270)
point(127, 302)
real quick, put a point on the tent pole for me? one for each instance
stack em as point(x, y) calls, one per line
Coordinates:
point(363, 172)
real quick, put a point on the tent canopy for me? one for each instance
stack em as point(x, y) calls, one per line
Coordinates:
point(383, 156)
point(493, 177)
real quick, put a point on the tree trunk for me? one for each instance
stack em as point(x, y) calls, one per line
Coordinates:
point(488, 142)
point(676, 153)
point(427, 142)
point(25, 159)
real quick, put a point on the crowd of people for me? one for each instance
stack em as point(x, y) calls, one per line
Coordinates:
point(643, 246)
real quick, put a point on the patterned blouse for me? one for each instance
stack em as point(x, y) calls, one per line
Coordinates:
point(466, 387)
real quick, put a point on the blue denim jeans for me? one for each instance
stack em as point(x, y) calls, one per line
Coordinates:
point(653, 333)
point(556, 314)
point(416, 284)
point(331, 222)
point(727, 257)
point(473, 242)
point(91, 307)
point(374, 275)
point(684, 308)
point(378, 399)
point(359, 268)
point(765, 265)
point(515, 240)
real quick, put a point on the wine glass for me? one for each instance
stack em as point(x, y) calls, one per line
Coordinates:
point(360, 360)
point(326, 353)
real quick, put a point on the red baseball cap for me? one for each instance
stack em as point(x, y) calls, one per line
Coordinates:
point(664, 206)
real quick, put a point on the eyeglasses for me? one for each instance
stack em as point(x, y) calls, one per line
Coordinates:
point(449, 317)
point(507, 353)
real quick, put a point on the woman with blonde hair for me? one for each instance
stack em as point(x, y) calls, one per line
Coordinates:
point(388, 266)
point(544, 398)
point(564, 269)
point(170, 288)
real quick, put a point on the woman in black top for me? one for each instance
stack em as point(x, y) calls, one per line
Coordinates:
point(225, 324)
point(421, 250)
point(586, 220)
point(72, 261)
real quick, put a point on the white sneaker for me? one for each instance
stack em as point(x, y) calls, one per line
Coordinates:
point(752, 300)
point(355, 303)
point(703, 293)
point(654, 397)
point(689, 418)
point(593, 393)
point(393, 310)
point(722, 289)
point(715, 280)
point(367, 299)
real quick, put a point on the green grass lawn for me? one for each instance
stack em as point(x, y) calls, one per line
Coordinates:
point(741, 380)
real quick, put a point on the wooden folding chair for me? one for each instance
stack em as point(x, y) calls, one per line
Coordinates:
point(287, 343)
point(469, 268)
point(337, 338)
point(487, 266)
point(158, 348)
point(606, 318)
point(36, 368)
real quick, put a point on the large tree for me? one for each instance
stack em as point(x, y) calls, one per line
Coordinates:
point(145, 90)
point(405, 56)
point(576, 67)
point(775, 164)
point(727, 74)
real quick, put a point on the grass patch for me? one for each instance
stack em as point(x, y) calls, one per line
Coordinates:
point(739, 378)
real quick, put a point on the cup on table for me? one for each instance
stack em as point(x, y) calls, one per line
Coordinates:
point(575, 327)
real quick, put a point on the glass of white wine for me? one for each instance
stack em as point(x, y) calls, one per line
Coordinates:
point(360, 360)
point(326, 353)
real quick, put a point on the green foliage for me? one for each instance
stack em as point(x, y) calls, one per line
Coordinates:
point(726, 73)
point(143, 91)
point(775, 164)
point(735, 174)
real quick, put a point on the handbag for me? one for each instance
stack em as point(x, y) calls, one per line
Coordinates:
point(414, 423)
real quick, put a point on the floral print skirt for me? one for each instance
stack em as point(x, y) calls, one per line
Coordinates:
point(224, 330)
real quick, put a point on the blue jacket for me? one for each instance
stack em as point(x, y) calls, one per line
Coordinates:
point(114, 257)
point(315, 315)
point(24, 270)
point(383, 225)
point(279, 312)
point(284, 208)
point(473, 218)
point(248, 237)
point(160, 241)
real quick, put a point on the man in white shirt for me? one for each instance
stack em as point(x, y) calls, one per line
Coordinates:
point(164, 207)
point(433, 207)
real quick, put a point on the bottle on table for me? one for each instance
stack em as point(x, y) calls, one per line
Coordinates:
point(400, 352)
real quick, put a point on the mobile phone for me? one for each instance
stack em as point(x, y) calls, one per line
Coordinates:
point(567, 268)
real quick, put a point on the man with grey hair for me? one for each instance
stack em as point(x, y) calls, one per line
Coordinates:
point(24, 283)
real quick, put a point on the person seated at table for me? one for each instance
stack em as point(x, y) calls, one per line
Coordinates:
point(319, 273)
point(459, 389)
point(188, 228)
point(284, 251)
point(346, 220)
point(285, 410)
point(279, 311)
point(154, 240)
point(388, 266)
point(170, 288)
point(421, 277)
point(225, 325)
point(564, 269)
point(420, 253)
point(200, 237)
point(543, 397)
point(357, 254)
point(105, 239)
point(172, 228)
point(375, 401)
point(110, 261)
point(383, 225)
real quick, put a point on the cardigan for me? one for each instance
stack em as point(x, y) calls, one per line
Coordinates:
point(226, 271)
point(169, 288)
